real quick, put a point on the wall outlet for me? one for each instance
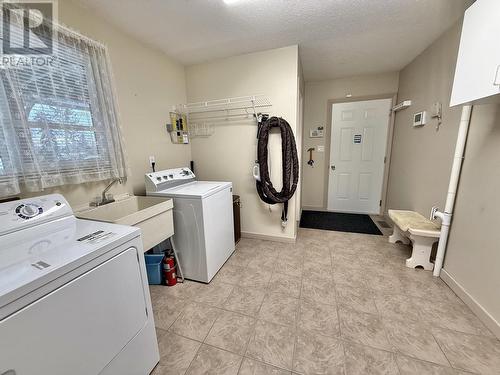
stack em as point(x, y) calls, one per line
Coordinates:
point(434, 209)
point(152, 163)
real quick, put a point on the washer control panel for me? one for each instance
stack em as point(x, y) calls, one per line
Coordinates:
point(16, 215)
point(161, 180)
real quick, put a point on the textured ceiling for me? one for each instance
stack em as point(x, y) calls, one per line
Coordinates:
point(336, 38)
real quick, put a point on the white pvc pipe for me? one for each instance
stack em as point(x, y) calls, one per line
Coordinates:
point(456, 169)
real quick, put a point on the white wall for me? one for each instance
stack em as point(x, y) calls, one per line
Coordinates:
point(420, 173)
point(473, 256)
point(229, 154)
point(421, 157)
point(317, 95)
point(148, 83)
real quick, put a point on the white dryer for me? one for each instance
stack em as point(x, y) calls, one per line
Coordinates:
point(203, 220)
point(74, 297)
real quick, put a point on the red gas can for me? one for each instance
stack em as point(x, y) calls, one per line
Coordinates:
point(169, 271)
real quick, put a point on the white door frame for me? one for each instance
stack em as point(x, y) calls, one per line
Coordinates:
point(328, 136)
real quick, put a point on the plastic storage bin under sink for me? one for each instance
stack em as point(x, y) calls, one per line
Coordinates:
point(154, 268)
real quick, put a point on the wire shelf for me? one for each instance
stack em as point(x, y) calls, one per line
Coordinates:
point(203, 116)
point(225, 105)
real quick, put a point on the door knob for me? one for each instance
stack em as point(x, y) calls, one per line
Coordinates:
point(332, 167)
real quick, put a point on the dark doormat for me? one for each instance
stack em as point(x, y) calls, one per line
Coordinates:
point(355, 223)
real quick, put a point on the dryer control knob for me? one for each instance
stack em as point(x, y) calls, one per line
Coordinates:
point(28, 211)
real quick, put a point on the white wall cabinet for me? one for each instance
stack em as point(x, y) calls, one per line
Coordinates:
point(477, 74)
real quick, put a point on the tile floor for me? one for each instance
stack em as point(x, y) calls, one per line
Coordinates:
point(333, 303)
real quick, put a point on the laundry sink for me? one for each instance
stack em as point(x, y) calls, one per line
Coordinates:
point(152, 214)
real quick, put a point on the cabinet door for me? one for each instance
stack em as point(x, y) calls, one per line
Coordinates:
point(477, 74)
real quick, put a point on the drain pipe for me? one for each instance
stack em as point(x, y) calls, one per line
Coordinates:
point(452, 188)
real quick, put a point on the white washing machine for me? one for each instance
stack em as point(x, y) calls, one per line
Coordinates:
point(74, 297)
point(203, 220)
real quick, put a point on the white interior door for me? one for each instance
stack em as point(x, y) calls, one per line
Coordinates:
point(357, 152)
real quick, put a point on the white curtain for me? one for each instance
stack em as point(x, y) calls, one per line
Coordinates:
point(59, 122)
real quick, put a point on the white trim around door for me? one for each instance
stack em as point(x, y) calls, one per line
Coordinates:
point(358, 147)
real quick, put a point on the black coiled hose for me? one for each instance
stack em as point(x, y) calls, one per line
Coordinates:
point(290, 164)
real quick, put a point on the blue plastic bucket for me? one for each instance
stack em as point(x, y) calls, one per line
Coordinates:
point(154, 268)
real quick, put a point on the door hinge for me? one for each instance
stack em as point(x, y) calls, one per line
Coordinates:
point(380, 203)
point(385, 159)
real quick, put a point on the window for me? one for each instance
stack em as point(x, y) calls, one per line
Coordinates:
point(59, 122)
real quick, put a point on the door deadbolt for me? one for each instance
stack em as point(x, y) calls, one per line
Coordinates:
point(332, 167)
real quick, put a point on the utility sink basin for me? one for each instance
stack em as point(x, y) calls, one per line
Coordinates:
point(152, 214)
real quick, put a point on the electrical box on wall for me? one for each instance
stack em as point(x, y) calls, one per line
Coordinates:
point(317, 132)
point(420, 118)
point(178, 128)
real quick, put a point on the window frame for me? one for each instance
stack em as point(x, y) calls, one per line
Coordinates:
point(65, 166)
point(69, 151)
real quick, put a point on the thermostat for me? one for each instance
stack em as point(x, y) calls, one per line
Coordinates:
point(420, 118)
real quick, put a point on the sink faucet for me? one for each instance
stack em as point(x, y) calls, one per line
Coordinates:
point(104, 200)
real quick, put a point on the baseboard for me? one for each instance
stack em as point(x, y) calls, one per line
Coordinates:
point(267, 237)
point(323, 209)
point(313, 208)
point(479, 310)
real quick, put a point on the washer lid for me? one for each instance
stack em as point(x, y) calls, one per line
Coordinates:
point(33, 257)
point(197, 189)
